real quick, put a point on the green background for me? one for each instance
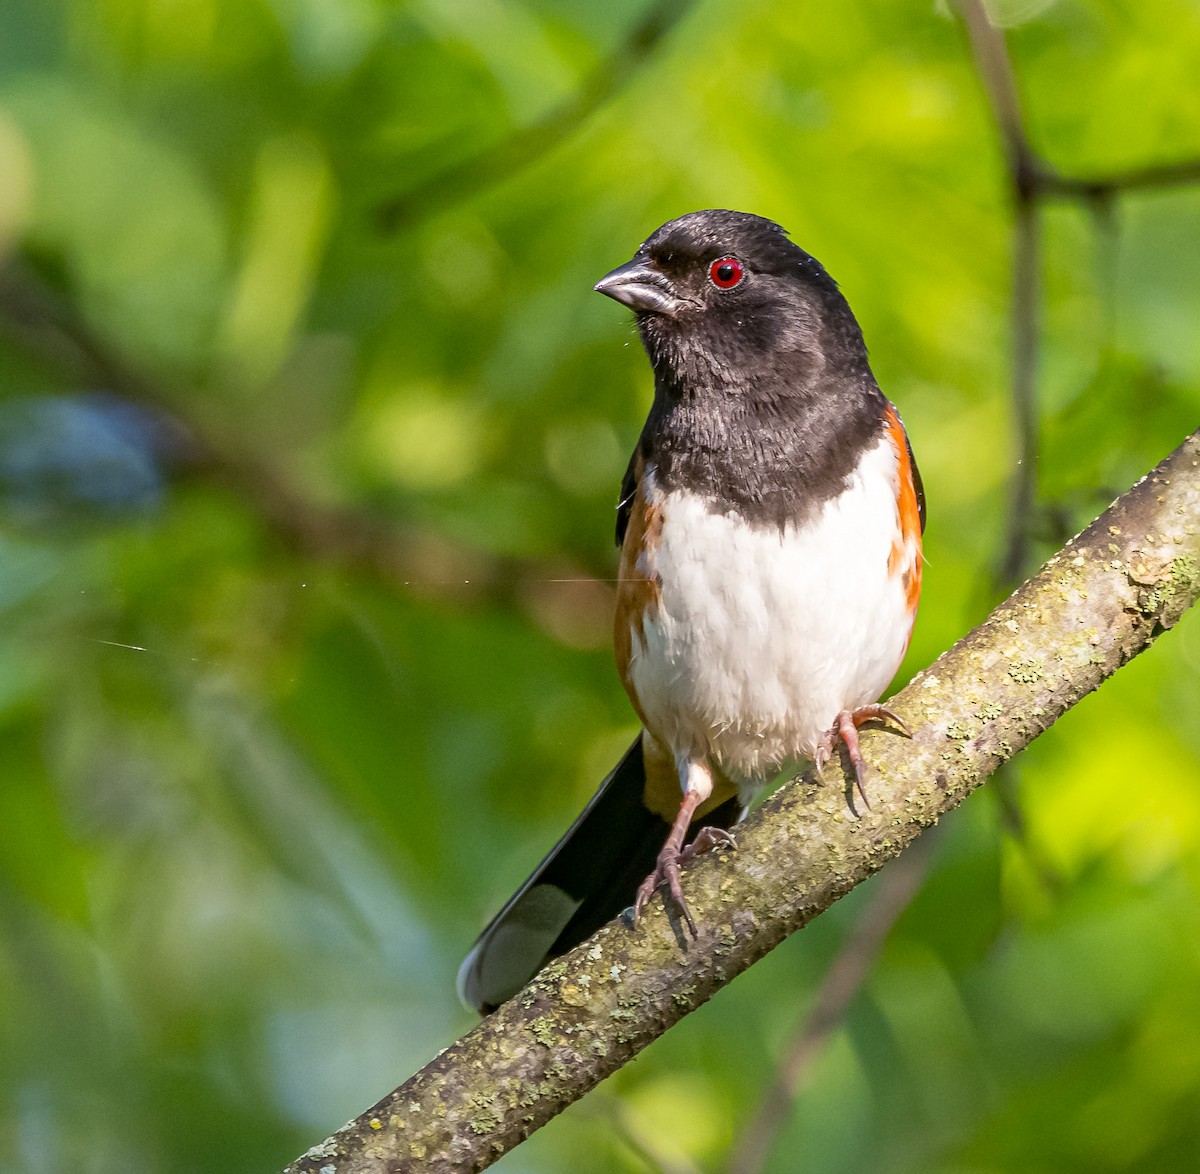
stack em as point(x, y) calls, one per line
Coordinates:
point(291, 701)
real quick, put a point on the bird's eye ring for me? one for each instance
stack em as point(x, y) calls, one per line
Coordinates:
point(726, 272)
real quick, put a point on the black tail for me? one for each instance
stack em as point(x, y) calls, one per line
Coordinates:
point(587, 878)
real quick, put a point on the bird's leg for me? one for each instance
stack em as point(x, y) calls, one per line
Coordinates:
point(697, 788)
point(845, 727)
point(666, 871)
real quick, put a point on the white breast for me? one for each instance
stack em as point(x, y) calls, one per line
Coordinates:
point(763, 636)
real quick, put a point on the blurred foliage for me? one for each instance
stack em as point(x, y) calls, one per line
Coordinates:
point(262, 784)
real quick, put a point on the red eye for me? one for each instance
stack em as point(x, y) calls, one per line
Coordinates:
point(726, 272)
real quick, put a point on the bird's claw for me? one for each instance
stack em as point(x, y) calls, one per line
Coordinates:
point(845, 727)
point(666, 874)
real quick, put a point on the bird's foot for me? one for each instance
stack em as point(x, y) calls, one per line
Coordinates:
point(666, 872)
point(845, 727)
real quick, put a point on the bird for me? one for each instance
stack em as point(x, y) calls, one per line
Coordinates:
point(770, 525)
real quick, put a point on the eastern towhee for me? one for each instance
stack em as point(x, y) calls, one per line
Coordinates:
point(770, 527)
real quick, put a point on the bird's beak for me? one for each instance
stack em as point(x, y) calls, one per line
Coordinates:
point(640, 286)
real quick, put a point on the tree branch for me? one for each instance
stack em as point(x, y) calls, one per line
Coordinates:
point(1032, 181)
point(995, 70)
point(1024, 343)
point(1104, 598)
point(1031, 176)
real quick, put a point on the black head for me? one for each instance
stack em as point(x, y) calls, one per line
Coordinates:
point(724, 297)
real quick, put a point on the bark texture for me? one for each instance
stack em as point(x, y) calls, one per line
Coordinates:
point(1099, 602)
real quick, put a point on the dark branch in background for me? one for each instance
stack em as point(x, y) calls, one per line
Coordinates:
point(47, 325)
point(1137, 179)
point(896, 887)
point(1024, 344)
point(1103, 599)
point(505, 159)
point(1032, 183)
